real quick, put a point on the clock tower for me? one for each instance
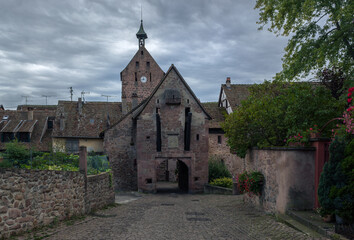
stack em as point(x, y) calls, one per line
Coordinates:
point(140, 76)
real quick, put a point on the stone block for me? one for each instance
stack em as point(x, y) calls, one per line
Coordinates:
point(14, 213)
point(3, 209)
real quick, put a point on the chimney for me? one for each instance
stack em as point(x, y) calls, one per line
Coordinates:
point(62, 122)
point(228, 82)
point(30, 114)
point(79, 106)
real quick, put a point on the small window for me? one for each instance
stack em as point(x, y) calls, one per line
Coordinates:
point(148, 64)
point(147, 137)
point(219, 139)
point(136, 64)
point(148, 180)
point(7, 137)
point(150, 77)
point(136, 78)
point(24, 137)
point(50, 124)
point(157, 101)
point(142, 52)
point(187, 100)
point(5, 117)
point(197, 137)
point(157, 110)
point(72, 145)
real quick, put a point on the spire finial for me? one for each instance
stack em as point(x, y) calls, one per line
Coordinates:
point(141, 35)
point(141, 11)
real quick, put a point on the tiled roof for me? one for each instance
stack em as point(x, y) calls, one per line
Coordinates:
point(88, 122)
point(217, 114)
point(17, 121)
point(236, 93)
point(36, 107)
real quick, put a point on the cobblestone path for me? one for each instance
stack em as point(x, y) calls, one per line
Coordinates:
point(171, 216)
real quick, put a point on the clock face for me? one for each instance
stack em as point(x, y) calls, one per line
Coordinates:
point(143, 79)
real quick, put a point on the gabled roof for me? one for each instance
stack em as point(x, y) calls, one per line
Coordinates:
point(18, 121)
point(142, 107)
point(217, 113)
point(146, 52)
point(88, 122)
point(235, 93)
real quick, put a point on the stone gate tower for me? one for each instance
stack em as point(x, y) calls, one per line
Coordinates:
point(140, 76)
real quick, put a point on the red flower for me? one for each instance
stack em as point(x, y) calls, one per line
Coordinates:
point(349, 94)
point(311, 129)
point(351, 89)
point(349, 100)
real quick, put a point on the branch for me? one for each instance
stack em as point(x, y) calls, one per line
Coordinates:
point(321, 17)
point(346, 42)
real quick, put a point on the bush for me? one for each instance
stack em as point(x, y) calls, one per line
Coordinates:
point(16, 153)
point(332, 178)
point(250, 182)
point(97, 164)
point(217, 169)
point(222, 182)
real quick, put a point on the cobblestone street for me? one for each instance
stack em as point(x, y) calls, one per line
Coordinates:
point(173, 216)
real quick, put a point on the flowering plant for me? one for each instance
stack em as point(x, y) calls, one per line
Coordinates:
point(347, 128)
point(251, 182)
point(296, 140)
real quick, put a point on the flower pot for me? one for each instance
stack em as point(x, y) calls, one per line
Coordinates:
point(339, 220)
point(328, 218)
point(315, 135)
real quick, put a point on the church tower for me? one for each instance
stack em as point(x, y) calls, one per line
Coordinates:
point(140, 76)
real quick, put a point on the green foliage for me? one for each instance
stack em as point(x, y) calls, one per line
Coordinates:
point(217, 169)
point(16, 153)
point(321, 34)
point(332, 178)
point(222, 182)
point(54, 161)
point(97, 164)
point(250, 182)
point(275, 110)
point(343, 194)
point(6, 164)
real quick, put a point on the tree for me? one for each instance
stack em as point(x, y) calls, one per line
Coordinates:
point(276, 110)
point(321, 34)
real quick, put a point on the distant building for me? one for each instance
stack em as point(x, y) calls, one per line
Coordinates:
point(80, 123)
point(31, 127)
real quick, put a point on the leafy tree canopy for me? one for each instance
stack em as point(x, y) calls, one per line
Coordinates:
point(275, 110)
point(321, 34)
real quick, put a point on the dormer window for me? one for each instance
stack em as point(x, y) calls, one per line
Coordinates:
point(5, 117)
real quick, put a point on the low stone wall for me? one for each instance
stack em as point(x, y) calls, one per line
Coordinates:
point(34, 198)
point(210, 189)
point(289, 178)
point(100, 191)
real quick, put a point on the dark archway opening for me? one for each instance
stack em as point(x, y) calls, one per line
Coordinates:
point(172, 177)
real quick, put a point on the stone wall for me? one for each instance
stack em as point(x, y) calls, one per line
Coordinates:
point(289, 178)
point(219, 150)
point(34, 198)
point(120, 148)
point(100, 191)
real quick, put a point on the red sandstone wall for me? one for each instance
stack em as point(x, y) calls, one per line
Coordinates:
point(172, 128)
point(152, 72)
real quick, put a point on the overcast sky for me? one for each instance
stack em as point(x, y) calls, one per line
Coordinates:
point(47, 46)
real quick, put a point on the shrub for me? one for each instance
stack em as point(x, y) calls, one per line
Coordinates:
point(217, 169)
point(251, 182)
point(331, 177)
point(222, 182)
point(16, 153)
point(97, 164)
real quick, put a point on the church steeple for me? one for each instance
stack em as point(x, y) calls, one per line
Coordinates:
point(141, 35)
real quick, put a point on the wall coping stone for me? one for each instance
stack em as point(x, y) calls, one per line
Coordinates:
point(286, 148)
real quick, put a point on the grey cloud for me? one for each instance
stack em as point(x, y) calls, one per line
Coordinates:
point(48, 46)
